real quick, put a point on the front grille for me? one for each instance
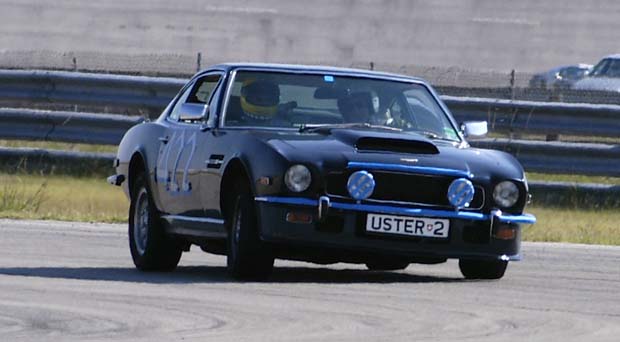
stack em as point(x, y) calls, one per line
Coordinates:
point(403, 187)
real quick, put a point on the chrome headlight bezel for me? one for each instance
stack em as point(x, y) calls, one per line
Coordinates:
point(298, 178)
point(506, 194)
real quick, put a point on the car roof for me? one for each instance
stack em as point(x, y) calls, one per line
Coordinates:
point(314, 69)
point(614, 56)
point(577, 65)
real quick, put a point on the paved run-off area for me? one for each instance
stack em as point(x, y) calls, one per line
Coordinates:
point(75, 281)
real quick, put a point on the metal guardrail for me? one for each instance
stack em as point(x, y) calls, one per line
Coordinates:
point(559, 157)
point(536, 156)
point(88, 128)
point(538, 117)
point(154, 93)
point(87, 88)
point(577, 195)
point(55, 161)
point(100, 164)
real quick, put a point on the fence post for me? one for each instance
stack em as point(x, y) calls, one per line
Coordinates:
point(512, 84)
point(198, 60)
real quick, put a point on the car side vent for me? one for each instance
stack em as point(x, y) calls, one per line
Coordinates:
point(396, 145)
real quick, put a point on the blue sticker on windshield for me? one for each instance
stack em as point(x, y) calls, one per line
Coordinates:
point(328, 78)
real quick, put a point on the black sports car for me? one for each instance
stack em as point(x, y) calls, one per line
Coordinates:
point(317, 164)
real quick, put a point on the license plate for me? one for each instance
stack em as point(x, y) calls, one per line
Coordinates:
point(407, 225)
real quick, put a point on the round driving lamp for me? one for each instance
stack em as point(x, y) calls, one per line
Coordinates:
point(297, 178)
point(506, 194)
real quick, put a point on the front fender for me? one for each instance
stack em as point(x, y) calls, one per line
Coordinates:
point(141, 140)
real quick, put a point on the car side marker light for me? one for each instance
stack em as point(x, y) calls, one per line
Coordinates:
point(505, 232)
point(298, 217)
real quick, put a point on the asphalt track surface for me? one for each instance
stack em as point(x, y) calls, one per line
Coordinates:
point(75, 281)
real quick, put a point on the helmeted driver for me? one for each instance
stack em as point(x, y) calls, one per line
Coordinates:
point(259, 100)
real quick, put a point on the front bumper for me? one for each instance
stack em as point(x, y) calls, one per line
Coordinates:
point(341, 226)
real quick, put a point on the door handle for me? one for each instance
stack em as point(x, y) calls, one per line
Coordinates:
point(164, 139)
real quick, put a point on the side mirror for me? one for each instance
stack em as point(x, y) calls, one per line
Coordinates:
point(475, 128)
point(193, 112)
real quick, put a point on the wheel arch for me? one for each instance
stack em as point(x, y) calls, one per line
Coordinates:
point(137, 164)
point(236, 171)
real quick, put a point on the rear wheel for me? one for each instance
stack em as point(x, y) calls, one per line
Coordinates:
point(248, 256)
point(482, 269)
point(151, 249)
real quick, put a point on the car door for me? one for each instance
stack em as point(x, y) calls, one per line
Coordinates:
point(181, 152)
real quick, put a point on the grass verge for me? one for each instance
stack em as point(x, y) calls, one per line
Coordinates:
point(92, 199)
point(53, 145)
point(573, 225)
point(61, 198)
point(545, 177)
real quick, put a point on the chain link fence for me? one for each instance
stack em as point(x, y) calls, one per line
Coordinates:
point(453, 81)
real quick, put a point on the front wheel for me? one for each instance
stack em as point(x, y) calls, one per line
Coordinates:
point(482, 269)
point(248, 256)
point(151, 249)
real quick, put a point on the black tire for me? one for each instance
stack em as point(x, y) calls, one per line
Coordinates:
point(482, 269)
point(249, 258)
point(151, 249)
point(386, 265)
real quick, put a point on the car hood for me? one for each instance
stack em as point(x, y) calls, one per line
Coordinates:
point(335, 150)
point(598, 83)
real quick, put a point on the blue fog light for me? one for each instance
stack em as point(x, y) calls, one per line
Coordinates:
point(361, 184)
point(461, 193)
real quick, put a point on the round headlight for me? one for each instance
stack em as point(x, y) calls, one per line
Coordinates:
point(506, 194)
point(297, 178)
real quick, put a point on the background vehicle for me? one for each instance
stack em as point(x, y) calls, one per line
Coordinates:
point(317, 164)
point(605, 76)
point(560, 77)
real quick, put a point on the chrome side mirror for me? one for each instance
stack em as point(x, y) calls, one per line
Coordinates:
point(193, 112)
point(475, 128)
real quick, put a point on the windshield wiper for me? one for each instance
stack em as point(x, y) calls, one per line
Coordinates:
point(329, 127)
point(433, 135)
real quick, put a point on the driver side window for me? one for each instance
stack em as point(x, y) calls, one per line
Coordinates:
point(202, 91)
point(197, 94)
point(176, 110)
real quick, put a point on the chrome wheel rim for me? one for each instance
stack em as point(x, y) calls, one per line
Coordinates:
point(141, 222)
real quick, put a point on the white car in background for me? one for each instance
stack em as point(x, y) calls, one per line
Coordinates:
point(560, 77)
point(605, 76)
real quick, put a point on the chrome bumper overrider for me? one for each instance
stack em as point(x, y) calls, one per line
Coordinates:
point(116, 179)
point(386, 209)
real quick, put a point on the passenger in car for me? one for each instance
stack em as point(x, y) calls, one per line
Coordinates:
point(361, 107)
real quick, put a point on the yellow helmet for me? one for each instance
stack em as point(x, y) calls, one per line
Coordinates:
point(260, 99)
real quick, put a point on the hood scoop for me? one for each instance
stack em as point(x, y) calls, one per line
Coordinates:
point(395, 145)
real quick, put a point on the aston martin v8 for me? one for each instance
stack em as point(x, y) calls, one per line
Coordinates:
point(319, 164)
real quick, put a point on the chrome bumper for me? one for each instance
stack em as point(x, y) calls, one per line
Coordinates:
point(116, 180)
point(320, 204)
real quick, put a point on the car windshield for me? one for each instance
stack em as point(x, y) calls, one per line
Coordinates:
point(573, 73)
point(293, 100)
point(608, 67)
